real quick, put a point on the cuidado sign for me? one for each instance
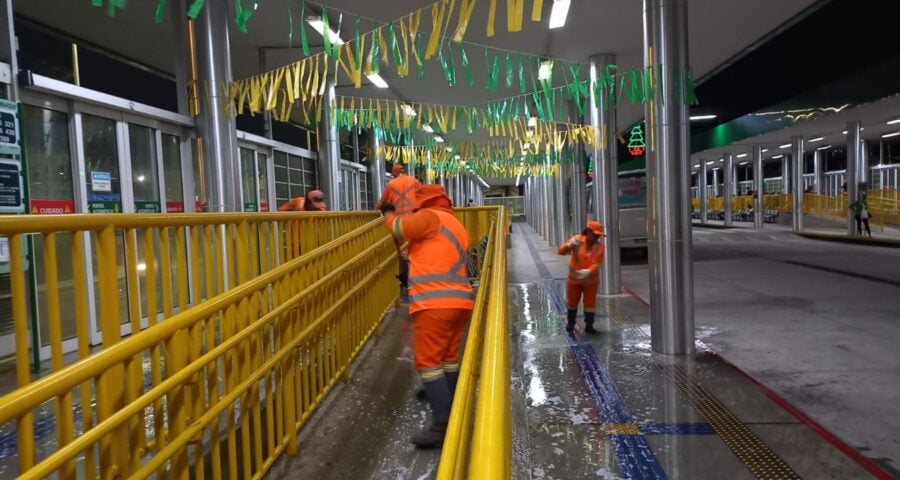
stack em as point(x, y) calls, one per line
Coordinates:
point(174, 207)
point(52, 207)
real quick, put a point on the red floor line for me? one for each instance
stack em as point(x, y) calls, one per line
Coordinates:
point(829, 437)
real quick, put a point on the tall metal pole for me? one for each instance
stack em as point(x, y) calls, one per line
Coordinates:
point(329, 161)
point(854, 154)
point(578, 187)
point(704, 192)
point(758, 187)
point(377, 166)
point(729, 187)
point(798, 155)
point(561, 213)
point(668, 178)
point(863, 172)
point(818, 173)
point(8, 49)
point(606, 166)
point(785, 175)
point(215, 127)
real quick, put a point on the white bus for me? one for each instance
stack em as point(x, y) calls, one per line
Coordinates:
point(632, 208)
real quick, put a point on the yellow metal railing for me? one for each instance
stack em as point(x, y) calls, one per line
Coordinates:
point(232, 379)
point(479, 436)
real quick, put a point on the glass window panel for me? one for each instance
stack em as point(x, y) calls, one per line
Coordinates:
point(144, 179)
point(49, 161)
point(281, 159)
point(248, 180)
point(171, 157)
point(281, 174)
point(262, 174)
point(101, 159)
point(296, 178)
point(282, 192)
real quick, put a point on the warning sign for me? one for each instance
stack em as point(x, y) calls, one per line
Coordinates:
point(52, 207)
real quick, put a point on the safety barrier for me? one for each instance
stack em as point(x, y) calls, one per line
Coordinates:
point(228, 382)
point(515, 206)
point(479, 436)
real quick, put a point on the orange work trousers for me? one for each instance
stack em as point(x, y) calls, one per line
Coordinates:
point(438, 333)
point(574, 293)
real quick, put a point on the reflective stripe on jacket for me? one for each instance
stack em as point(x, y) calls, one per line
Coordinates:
point(438, 245)
point(584, 257)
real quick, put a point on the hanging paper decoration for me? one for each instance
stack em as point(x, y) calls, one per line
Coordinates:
point(636, 144)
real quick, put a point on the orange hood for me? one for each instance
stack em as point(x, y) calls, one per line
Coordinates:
point(432, 196)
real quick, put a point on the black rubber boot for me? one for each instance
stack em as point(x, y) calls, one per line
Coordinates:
point(438, 393)
point(589, 323)
point(404, 273)
point(570, 319)
point(420, 394)
point(452, 379)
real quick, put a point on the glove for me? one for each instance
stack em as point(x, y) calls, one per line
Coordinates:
point(387, 207)
point(574, 243)
point(583, 273)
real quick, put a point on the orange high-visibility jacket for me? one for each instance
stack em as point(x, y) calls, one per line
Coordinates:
point(401, 192)
point(296, 203)
point(584, 257)
point(438, 245)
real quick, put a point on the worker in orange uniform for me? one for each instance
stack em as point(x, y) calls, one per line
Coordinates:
point(441, 299)
point(314, 201)
point(400, 192)
point(584, 274)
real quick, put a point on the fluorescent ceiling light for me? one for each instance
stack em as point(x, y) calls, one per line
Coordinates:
point(721, 159)
point(409, 111)
point(743, 155)
point(826, 147)
point(438, 139)
point(697, 166)
point(776, 157)
point(765, 150)
point(786, 145)
point(710, 162)
point(817, 139)
point(319, 26)
point(559, 13)
point(743, 163)
point(889, 135)
point(428, 129)
point(545, 71)
point(702, 117)
point(377, 80)
point(894, 122)
point(861, 129)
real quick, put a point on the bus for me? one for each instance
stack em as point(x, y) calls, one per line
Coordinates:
point(632, 209)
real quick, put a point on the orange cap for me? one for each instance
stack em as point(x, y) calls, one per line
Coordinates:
point(317, 198)
point(596, 227)
point(397, 170)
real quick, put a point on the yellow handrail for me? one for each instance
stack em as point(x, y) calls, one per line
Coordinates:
point(479, 435)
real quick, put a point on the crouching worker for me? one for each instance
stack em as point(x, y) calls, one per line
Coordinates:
point(584, 274)
point(440, 298)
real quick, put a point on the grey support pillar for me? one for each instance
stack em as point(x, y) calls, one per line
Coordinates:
point(668, 179)
point(797, 155)
point(785, 174)
point(215, 127)
point(863, 174)
point(8, 49)
point(329, 162)
point(561, 213)
point(716, 190)
point(729, 186)
point(758, 186)
point(703, 190)
point(854, 158)
point(818, 173)
point(578, 187)
point(606, 183)
point(377, 167)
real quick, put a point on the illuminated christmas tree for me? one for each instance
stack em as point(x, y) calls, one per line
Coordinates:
point(636, 143)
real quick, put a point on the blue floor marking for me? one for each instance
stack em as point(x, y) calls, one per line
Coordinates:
point(633, 453)
point(676, 429)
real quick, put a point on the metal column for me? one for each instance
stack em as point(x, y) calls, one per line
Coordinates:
point(716, 190)
point(377, 166)
point(758, 184)
point(668, 179)
point(8, 48)
point(863, 173)
point(818, 172)
point(329, 161)
point(578, 186)
point(854, 154)
point(703, 189)
point(729, 187)
point(215, 127)
point(561, 213)
point(797, 155)
point(785, 174)
point(606, 165)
